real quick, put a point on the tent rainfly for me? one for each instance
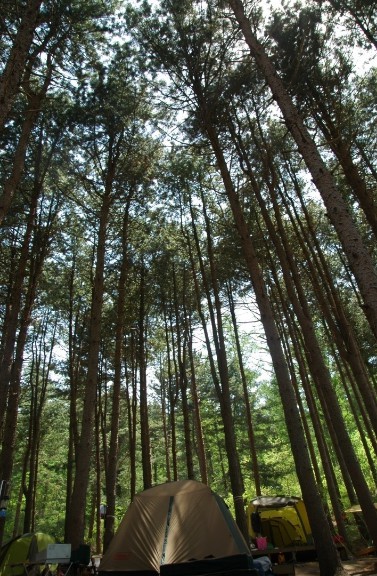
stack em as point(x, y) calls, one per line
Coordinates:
point(176, 528)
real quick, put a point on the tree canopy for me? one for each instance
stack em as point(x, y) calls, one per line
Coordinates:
point(188, 260)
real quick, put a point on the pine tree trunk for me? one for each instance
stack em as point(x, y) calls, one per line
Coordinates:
point(181, 376)
point(315, 361)
point(15, 66)
point(39, 378)
point(76, 512)
point(249, 420)
point(358, 413)
point(317, 365)
point(331, 482)
point(196, 409)
point(144, 417)
point(38, 256)
point(131, 399)
point(112, 461)
point(77, 323)
point(360, 260)
point(327, 554)
point(342, 151)
point(14, 307)
point(12, 182)
point(165, 400)
point(222, 381)
point(332, 308)
point(172, 395)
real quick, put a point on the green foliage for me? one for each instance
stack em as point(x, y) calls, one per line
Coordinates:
point(122, 104)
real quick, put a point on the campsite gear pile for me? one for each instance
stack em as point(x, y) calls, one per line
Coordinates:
point(38, 553)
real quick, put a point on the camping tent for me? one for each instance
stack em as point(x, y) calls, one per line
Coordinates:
point(176, 528)
point(21, 550)
point(282, 519)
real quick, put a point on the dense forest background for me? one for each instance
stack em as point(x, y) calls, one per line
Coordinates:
point(188, 237)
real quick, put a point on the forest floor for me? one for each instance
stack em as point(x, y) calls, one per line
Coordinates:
point(354, 567)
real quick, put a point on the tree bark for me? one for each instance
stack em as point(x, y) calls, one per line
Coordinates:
point(318, 368)
point(42, 238)
point(327, 554)
point(332, 307)
point(347, 6)
point(33, 109)
point(76, 512)
point(315, 360)
point(222, 381)
point(196, 408)
point(13, 314)
point(331, 481)
point(131, 398)
point(77, 322)
point(360, 260)
point(112, 461)
point(39, 379)
point(142, 363)
point(181, 375)
point(342, 151)
point(249, 420)
point(173, 390)
point(15, 66)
